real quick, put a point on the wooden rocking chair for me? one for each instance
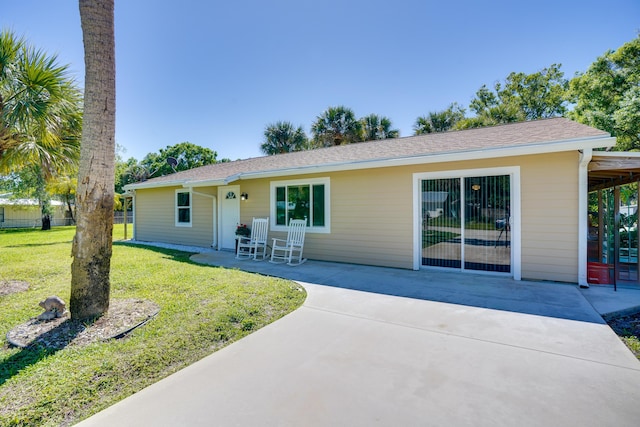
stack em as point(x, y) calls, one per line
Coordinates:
point(256, 244)
point(290, 250)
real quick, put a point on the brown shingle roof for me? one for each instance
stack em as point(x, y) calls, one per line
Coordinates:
point(488, 138)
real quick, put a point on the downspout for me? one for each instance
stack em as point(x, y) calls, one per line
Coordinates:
point(583, 214)
point(132, 195)
point(214, 244)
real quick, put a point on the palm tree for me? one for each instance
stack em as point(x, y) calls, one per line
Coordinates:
point(439, 121)
point(498, 114)
point(336, 126)
point(377, 127)
point(91, 250)
point(41, 114)
point(283, 137)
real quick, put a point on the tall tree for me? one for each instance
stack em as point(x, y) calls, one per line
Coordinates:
point(123, 173)
point(377, 127)
point(521, 97)
point(336, 126)
point(607, 95)
point(439, 121)
point(538, 95)
point(283, 137)
point(186, 154)
point(91, 251)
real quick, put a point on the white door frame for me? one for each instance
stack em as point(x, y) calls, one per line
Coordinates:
point(512, 171)
point(223, 218)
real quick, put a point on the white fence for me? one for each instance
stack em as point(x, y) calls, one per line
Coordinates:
point(33, 222)
point(118, 218)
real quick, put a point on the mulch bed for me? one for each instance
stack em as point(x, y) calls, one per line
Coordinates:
point(122, 318)
point(627, 327)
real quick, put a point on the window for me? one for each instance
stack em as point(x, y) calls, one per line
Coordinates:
point(183, 208)
point(307, 199)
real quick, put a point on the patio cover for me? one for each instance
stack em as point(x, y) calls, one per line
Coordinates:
point(610, 168)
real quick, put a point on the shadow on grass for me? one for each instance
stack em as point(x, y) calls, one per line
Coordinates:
point(39, 348)
point(34, 245)
point(21, 360)
point(172, 254)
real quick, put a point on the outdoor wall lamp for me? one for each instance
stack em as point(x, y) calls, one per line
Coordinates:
point(244, 196)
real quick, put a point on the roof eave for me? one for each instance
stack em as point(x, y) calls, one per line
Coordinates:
point(151, 184)
point(213, 182)
point(600, 141)
point(528, 149)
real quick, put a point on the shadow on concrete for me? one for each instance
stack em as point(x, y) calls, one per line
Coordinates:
point(558, 300)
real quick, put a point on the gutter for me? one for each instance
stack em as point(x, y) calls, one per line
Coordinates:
point(139, 185)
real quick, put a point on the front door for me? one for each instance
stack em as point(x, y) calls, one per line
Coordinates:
point(229, 197)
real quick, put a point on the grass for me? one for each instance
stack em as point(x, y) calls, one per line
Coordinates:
point(203, 308)
point(633, 342)
point(628, 329)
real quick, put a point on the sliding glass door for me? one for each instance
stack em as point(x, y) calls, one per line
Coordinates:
point(466, 223)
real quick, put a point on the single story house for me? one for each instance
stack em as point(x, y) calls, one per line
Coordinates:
point(508, 199)
point(25, 213)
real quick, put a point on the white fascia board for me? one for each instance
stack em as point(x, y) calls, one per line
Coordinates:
point(213, 182)
point(141, 185)
point(535, 148)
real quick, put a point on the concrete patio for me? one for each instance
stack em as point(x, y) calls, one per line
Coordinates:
point(478, 290)
point(393, 347)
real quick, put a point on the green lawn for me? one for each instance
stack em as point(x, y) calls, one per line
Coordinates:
point(203, 308)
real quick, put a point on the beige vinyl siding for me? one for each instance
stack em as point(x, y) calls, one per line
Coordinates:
point(549, 211)
point(371, 216)
point(155, 218)
point(550, 217)
point(257, 205)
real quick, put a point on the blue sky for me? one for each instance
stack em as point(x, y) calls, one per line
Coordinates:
point(216, 73)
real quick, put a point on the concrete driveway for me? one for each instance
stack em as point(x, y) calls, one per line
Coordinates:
point(353, 358)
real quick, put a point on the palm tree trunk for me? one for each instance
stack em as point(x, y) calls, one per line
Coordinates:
point(90, 285)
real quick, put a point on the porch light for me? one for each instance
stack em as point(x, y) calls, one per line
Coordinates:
point(244, 196)
point(475, 187)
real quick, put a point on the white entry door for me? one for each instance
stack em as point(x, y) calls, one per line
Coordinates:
point(229, 215)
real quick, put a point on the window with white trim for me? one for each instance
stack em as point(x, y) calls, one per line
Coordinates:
point(183, 208)
point(301, 199)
